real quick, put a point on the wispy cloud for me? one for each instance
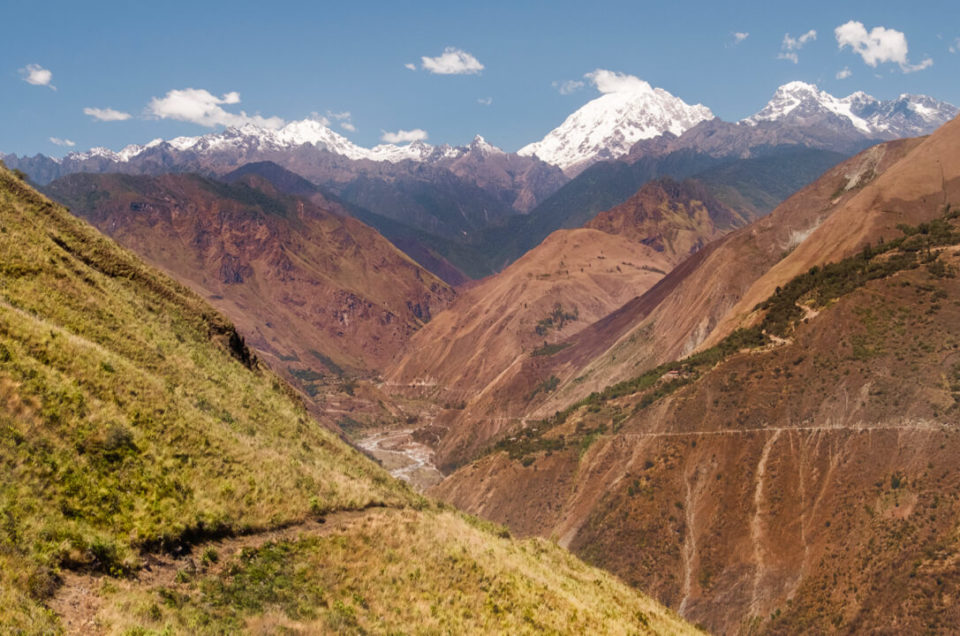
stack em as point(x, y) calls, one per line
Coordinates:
point(955, 47)
point(844, 73)
point(37, 75)
point(62, 142)
point(486, 101)
point(567, 87)
point(404, 136)
point(410, 65)
point(199, 106)
point(740, 36)
point(452, 61)
point(107, 114)
point(790, 45)
point(878, 46)
point(345, 119)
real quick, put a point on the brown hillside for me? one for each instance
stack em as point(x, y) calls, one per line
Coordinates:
point(680, 314)
point(805, 485)
point(672, 318)
point(500, 333)
point(809, 487)
point(313, 290)
point(671, 217)
point(587, 273)
point(912, 191)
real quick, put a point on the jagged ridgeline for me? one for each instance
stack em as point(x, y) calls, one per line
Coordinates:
point(134, 423)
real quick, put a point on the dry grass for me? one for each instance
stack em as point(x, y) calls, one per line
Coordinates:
point(395, 571)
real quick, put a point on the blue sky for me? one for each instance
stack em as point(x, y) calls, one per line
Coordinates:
point(290, 59)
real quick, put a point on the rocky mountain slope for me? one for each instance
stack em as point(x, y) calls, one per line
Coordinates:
point(429, 250)
point(505, 329)
point(675, 318)
point(157, 477)
point(314, 291)
point(793, 454)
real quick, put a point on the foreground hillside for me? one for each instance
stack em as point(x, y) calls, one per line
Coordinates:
point(138, 436)
point(793, 467)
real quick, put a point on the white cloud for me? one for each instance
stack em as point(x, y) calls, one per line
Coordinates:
point(955, 47)
point(345, 119)
point(566, 87)
point(62, 142)
point(37, 75)
point(740, 36)
point(613, 82)
point(878, 46)
point(199, 106)
point(453, 61)
point(106, 114)
point(790, 45)
point(404, 136)
point(844, 73)
point(410, 65)
point(486, 101)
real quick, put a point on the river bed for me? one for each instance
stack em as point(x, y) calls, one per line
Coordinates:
point(403, 457)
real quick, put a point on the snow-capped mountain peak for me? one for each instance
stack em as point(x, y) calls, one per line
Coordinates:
point(906, 116)
point(801, 100)
point(608, 126)
point(481, 145)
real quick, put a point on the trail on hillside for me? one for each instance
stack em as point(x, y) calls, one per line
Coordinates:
point(916, 426)
point(78, 600)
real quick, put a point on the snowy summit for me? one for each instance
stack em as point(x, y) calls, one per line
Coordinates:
point(607, 127)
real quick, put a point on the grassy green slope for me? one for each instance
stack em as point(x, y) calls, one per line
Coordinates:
point(128, 417)
point(133, 421)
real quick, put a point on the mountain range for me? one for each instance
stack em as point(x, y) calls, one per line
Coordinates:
point(605, 128)
point(461, 211)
